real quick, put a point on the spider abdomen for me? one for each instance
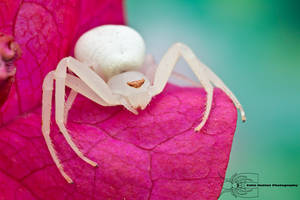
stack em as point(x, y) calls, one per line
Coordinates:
point(111, 49)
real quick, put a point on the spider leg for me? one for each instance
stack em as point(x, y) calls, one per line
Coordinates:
point(91, 85)
point(89, 77)
point(203, 73)
point(166, 67)
point(220, 84)
point(150, 66)
point(46, 115)
point(78, 86)
point(69, 102)
point(182, 77)
point(217, 82)
point(60, 77)
point(73, 94)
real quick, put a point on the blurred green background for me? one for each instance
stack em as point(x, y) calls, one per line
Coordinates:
point(254, 46)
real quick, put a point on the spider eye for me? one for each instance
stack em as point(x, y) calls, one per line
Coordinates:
point(136, 84)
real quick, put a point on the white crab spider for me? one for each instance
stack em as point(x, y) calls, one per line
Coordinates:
point(108, 63)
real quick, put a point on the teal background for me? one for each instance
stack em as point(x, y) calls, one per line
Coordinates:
point(254, 46)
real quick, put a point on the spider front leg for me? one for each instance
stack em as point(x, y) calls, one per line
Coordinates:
point(89, 84)
point(46, 119)
point(166, 66)
point(77, 86)
point(220, 84)
point(69, 102)
point(60, 75)
point(62, 78)
point(205, 75)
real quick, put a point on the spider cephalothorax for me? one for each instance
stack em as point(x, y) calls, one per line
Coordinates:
point(133, 86)
point(111, 69)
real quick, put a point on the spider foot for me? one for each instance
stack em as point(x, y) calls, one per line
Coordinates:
point(87, 160)
point(66, 177)
point(196, 129)
point(243, 115)
point(200, 126)
point(69, 180)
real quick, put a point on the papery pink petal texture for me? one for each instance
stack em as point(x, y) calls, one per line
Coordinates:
point(46, 32)
point(155, 155)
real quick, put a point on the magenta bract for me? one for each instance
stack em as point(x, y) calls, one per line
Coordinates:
point(46, 32)
point(154, 155)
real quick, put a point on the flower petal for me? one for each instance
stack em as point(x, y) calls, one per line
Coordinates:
point(154, 155)
point(46, 32)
